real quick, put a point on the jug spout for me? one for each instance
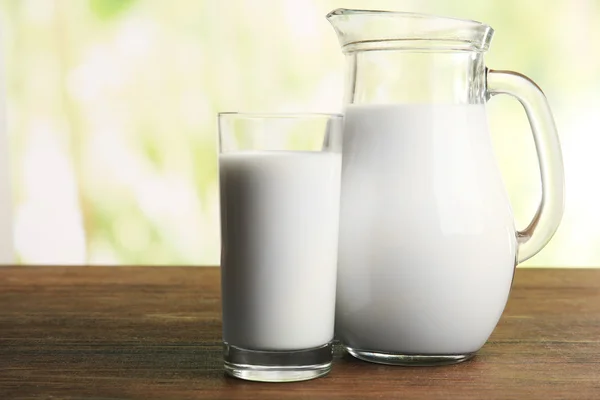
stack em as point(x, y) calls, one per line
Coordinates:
point(386, 30)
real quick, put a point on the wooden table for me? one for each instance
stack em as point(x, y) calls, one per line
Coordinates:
point(137, 332)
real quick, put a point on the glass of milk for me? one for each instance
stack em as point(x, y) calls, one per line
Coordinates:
point(280, 191)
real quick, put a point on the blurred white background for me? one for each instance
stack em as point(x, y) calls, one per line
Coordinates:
point(112, 106)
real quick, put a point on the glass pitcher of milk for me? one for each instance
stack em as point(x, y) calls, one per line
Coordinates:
point(428, 243)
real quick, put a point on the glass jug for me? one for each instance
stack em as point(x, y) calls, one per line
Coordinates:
point(428, 244)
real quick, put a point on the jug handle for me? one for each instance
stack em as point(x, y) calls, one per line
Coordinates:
point(549, 213)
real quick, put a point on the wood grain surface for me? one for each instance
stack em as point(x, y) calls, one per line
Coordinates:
point(154, 333)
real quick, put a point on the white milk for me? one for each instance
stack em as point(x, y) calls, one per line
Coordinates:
point(280, 213)
point(427, 238)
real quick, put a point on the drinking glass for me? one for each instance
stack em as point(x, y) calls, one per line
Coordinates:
point(280, 189)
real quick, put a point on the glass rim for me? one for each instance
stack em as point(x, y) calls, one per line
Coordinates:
point(282, 115)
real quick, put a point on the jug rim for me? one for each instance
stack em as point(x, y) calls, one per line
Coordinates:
point(361, 30)
point(349, 11)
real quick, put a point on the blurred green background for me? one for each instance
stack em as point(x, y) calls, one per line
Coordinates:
point(112, 108)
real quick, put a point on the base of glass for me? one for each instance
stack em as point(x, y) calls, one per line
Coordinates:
point(277, 366)
point(409, 359)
